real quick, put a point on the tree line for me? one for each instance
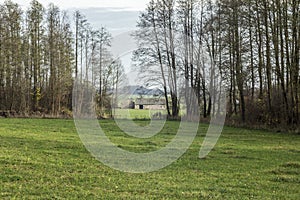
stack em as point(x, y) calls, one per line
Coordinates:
point(250, 48)
point(42, 51)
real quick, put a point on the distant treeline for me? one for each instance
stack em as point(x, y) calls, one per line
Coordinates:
point(42, 51)
point(250, 47)
point(253, 45)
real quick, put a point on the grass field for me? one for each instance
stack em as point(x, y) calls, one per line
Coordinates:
point(45, 159)
point(136, 114)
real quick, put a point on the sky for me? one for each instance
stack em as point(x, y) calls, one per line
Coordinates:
point(136, 5)
point(117, 15)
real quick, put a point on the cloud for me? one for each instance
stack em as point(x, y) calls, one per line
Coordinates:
point(116, 20)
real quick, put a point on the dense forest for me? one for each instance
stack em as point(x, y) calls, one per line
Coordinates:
point(42, 51)
point(249, 47)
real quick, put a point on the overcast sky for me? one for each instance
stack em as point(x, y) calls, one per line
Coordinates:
point(67, 4)
point(117, 15)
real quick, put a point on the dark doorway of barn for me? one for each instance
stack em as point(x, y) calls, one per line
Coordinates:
point(141, 107)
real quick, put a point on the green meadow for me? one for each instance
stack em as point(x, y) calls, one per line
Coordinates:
point(45, 159)
point(137, 114)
